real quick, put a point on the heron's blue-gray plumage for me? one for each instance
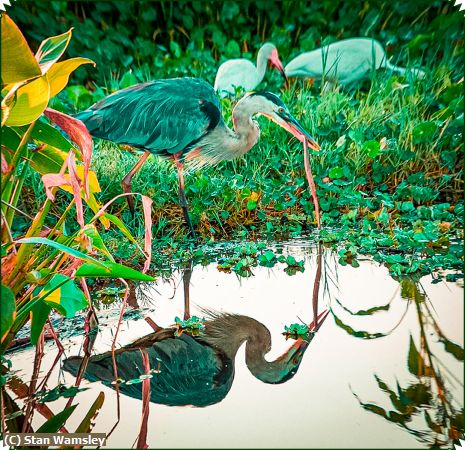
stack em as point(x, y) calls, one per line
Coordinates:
point(186, 371)
point(156, 116)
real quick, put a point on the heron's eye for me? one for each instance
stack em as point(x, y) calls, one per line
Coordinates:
point(281, 110)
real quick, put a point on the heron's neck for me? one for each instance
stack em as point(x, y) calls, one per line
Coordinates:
point(246, 132)
point(262, 62)
point(258, 343)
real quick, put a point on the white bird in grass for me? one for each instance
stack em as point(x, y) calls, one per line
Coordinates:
point(345, 62)
point(243, 73)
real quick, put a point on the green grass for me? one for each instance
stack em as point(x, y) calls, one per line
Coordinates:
point(391, 163)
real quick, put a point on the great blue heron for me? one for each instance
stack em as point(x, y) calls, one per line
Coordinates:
point(344, 61)
point(180, 118)
point(198, 370)
point(192, 370)
point(245, 74)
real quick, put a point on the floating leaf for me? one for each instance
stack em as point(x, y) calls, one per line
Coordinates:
point(60, 391)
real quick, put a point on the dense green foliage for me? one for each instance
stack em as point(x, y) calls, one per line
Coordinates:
point(163, 39)
point(389, 175)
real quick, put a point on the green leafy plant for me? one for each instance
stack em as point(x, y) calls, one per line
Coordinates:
point(45, 266)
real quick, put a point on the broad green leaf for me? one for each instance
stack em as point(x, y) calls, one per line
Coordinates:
point(10, 143)
point(96, 240)
point(17, 60)
point(335, 172)
point(63, 248)
point(7, 310)
point(416, 363)
point(424, 132)
point(51, 49)
point(251, 204)
point(39, 315)
point(371, 148)
point(27, 103)
point(57, 421)
point(111, 270)
point(87, 423)
point(59, 73)
point(67, 299)
point(45, 133)
point(47, 160)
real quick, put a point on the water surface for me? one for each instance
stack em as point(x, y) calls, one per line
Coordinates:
point(369, 377)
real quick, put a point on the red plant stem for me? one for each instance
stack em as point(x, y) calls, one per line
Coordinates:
point(113, 355)
point(142, 440)
point(311, 184)
point(32, 385)
point(316, 286)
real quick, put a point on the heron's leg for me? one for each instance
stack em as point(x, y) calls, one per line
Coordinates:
point(128, 179)
point(186, 280)
point(182, 195)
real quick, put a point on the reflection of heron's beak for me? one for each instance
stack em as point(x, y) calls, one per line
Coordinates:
point(296, 352)
point(319, 321)
point(293, 126)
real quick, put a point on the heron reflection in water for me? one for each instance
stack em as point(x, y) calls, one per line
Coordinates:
point(197, 370)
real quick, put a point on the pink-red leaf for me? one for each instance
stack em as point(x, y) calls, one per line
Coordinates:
point(52, 180)
point(74, 180)
point(79, 134)
point(147, 205)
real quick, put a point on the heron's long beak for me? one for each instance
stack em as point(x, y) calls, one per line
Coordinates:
point(276, 62)
point(291, 124)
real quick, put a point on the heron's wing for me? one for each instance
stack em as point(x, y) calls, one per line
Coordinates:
point(185, 372)
point(159, 116)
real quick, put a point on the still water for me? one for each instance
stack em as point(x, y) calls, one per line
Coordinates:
point(383, 370)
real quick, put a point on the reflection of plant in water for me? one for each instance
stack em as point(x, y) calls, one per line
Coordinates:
point(429, 399)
